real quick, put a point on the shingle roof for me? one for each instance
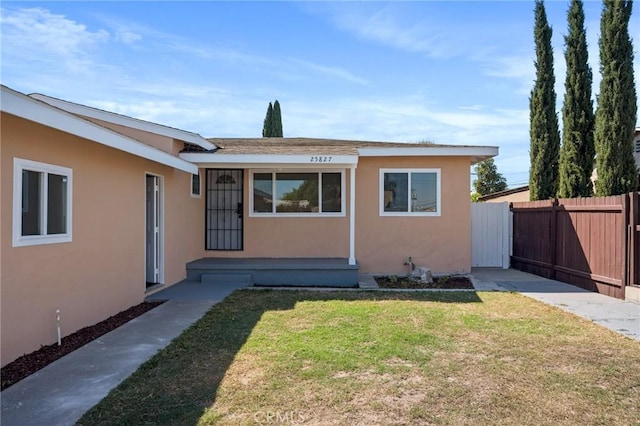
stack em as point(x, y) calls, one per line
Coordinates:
point(295, 146)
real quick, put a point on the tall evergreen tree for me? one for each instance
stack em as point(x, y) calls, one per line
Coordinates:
point(488, 179)
point(267, 126)
point(545, 137)
point(577, 151)
point(276, 128)
point(616, 111)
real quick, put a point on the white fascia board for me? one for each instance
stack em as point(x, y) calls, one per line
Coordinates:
point(23, 106)
point(123, 120)
point(445, 151)
point(257, 160)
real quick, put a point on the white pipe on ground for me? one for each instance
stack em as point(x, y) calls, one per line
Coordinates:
point(58, 324)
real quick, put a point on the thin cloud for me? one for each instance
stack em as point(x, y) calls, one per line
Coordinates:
point(35, 34)
point(131, 32)
point(471, 107)
point(385, 27)
point(334, 72)
point(518, 68)
point(288, 69)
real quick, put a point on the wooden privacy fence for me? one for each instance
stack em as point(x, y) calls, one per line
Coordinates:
point(589, 242)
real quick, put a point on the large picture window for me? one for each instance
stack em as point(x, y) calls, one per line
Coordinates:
point(297, 193)
point(41, 203)
point(410, 192)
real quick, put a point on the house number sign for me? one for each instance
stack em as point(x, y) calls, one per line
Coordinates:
point(320, 159)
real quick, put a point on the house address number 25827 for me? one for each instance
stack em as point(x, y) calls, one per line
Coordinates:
point(320, 159)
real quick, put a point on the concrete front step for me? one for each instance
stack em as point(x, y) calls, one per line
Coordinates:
point(326, 272)
point(241, 278)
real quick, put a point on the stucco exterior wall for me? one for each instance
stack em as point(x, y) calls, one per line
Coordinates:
point(382, 243)
point(442, 243)
point(102, 270)
point(290, 236)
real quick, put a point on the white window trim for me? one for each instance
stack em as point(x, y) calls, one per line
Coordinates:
point(18, 240)
point(199, 194)
point(438, 212)
point(342, 212)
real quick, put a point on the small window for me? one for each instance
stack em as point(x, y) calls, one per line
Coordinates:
point(41, 203)
point(410, 192)
point(195, 185)
point(297, 193)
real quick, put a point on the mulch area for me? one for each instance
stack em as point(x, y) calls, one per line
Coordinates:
point(453, 282)
point(30, 363)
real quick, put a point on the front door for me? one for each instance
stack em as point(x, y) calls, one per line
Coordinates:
point(224, 209)
point(153, 255)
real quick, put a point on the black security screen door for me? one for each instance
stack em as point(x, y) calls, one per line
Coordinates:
point(224, 209)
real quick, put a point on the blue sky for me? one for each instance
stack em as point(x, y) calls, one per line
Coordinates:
point(449, 72)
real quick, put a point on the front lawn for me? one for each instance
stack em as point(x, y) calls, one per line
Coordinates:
point(363, 358)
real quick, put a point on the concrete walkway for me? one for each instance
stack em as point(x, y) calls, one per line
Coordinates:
point(618, 315)
point(62, 392)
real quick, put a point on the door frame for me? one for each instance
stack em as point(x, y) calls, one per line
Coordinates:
point(159, 243)
point(209, 191)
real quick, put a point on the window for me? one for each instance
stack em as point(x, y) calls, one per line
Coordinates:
point(410, 192)
point(41, 203)
point(297, 193)
point(195, 185)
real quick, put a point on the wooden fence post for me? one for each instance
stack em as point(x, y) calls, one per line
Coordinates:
point(625, 242)
point(632, 230)
point(553, 237)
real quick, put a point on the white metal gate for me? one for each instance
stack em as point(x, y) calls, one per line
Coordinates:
point(491, 234)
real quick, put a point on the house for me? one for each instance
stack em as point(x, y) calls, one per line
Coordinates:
point(100, 210)
point(518, 194)
point(76, 199)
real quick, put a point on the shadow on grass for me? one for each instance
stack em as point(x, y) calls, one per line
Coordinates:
point(177, 385)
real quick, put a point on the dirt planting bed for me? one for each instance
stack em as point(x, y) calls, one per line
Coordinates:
point(37, 360)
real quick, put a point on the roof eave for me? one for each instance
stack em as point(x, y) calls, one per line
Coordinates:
point(20, 105)
point(476, 153)
point(126, 121)
point(269, 160)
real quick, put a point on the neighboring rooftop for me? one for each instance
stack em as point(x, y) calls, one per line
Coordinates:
point(504, 193)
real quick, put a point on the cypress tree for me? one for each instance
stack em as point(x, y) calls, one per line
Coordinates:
point(268, 122)
point(544, 134)
point(616, 111)
point(577, 151)
point(276, 128)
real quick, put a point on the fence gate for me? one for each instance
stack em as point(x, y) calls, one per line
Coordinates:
point(491, 235)
point(586, 241)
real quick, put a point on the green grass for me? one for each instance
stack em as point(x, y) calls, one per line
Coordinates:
point(383, 358)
